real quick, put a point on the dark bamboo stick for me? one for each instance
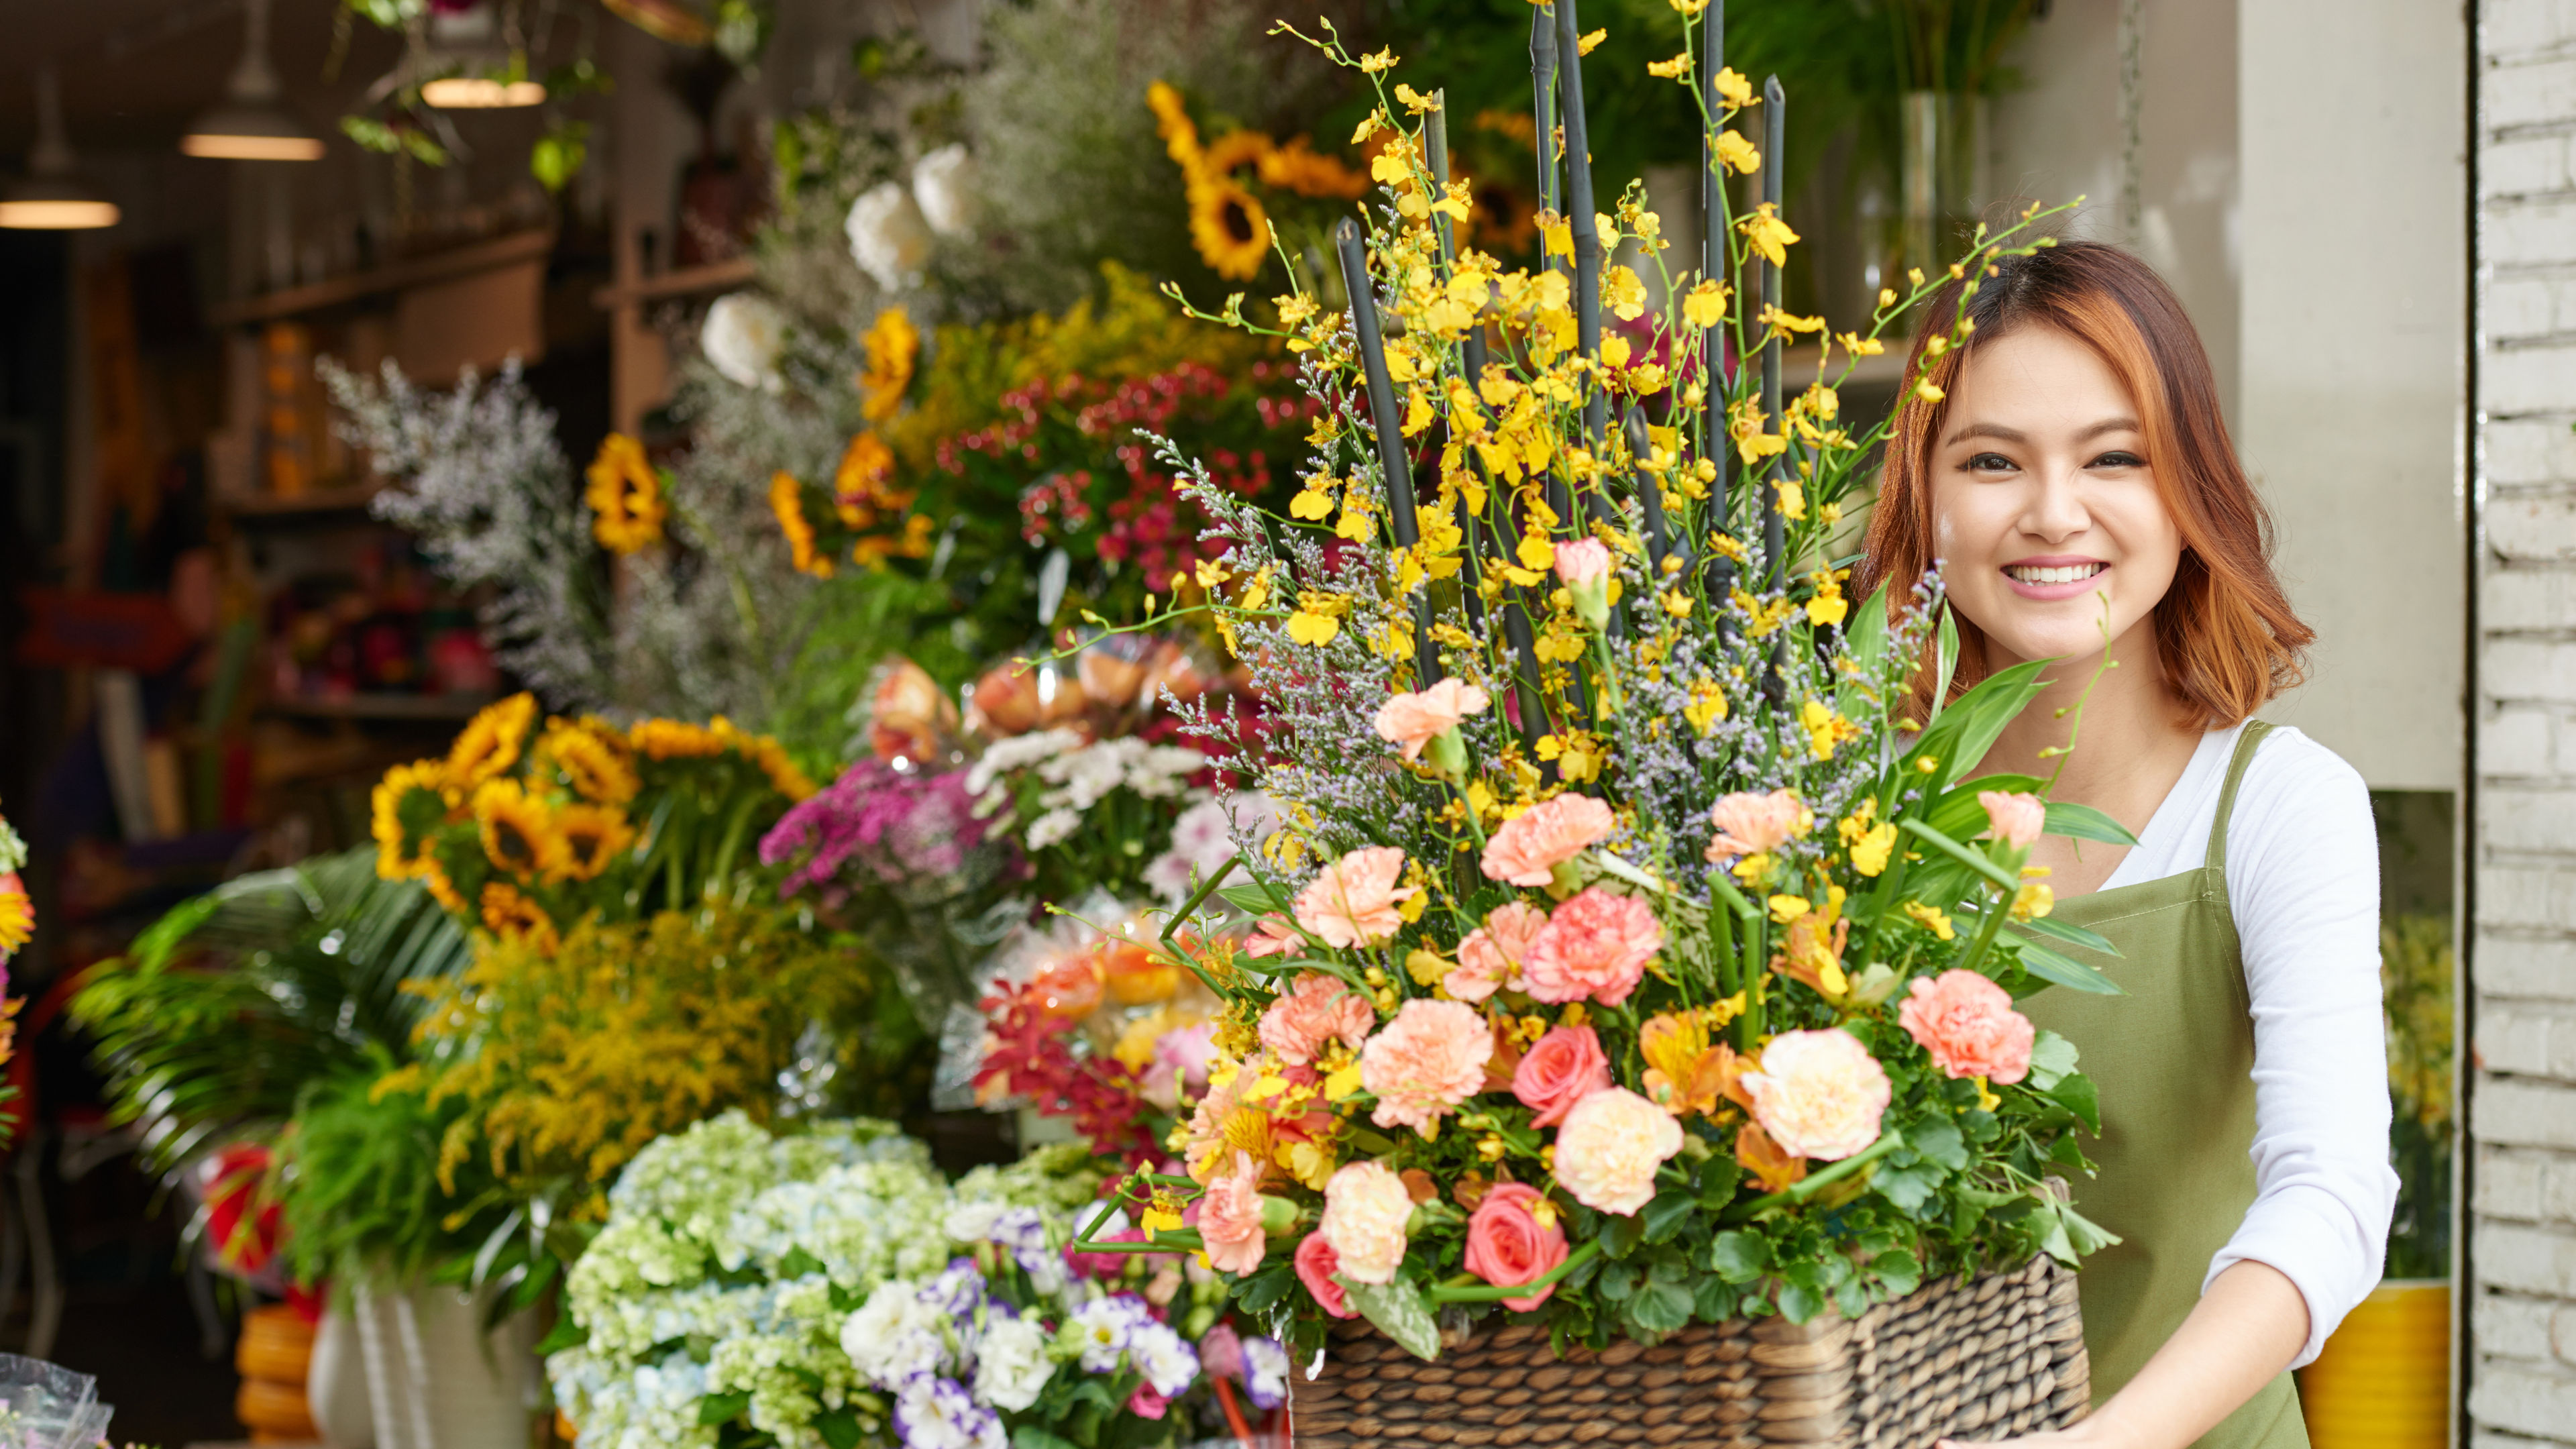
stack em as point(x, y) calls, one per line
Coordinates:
point(1650, 492)
point(1580, 210)
point(1712, 257)
point(1543, 103)
point(1387, 421)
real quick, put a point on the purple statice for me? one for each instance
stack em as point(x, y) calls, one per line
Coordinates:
point(933, 1412)
point(878, 825)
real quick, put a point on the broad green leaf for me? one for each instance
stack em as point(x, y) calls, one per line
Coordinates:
point(1662, 1307)
point(1027, 1436)
point(2051, 1058)
point(2087, 1235)
point(1902, 1273)
point(1399, 1311)
point(724, 1408)
point(1799, 1303)
point(1909, 1186)
point(840, 1430)
point(2083, 822)
point(1938, 1140)
point(1665, 1215)
point(1617, 1281)
point(1620, 1235)
point(2076, 1093)
point(1739, 1257)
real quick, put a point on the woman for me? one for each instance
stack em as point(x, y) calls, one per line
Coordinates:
point(2069, 470)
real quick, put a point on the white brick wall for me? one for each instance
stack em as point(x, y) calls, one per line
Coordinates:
point(2521, 1305)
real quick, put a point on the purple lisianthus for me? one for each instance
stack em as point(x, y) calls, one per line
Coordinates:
point(938, 1413)
point(1265, 1371)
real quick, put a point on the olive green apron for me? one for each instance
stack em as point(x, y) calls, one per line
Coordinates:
point(2174, 1061)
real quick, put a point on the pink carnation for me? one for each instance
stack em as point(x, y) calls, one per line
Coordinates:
point(1412, 720)
point(2016, 817)
point(1300, 1024)
point(1316, 1263)
point(1506, 1246)
point(1595, 947)
point(1581, 561)
point(1353, 902)
point(1750, 824)
point(1366, 1208)
point(1425, 1062)
point(1230, 1219)
point(1609, 1148)
point(1968, 1025)
point(1529, 846)
point(1561, 1069)
point(1273, 936)
point(1490, 958)
point(1818, 1094)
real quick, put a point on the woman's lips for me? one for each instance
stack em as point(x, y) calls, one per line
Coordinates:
point(2051, 592)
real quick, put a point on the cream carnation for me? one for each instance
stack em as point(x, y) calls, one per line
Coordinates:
point(1530, 845)
point(1819, 1094)
point(1425, 1062)
point(1366, 1207)
point(1609, 1148)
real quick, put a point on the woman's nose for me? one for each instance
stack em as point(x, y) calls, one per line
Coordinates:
point(2055, 508)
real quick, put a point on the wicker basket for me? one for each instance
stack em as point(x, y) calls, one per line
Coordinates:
point(1997, 1356)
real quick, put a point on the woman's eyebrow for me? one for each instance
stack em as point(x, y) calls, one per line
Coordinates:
point(2015, 435)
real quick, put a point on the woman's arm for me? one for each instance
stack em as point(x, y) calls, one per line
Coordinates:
point(2246, 1329)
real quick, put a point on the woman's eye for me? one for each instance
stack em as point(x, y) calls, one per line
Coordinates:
point(1990, 463)
point(2119, 459)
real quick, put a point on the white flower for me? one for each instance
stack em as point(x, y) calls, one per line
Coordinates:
point(1012, 1366)
point(937, 1413)
point(1265, 1371)
point(943, 182)
point(1103, 1328)
point(972, 1222)
point(888, 237)
point(1018, 753)
point(895, 1335)
point(742, 336)
point(1165, 1359)
point(1051, 827)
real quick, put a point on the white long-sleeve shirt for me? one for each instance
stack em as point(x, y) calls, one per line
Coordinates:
point(2303, 884)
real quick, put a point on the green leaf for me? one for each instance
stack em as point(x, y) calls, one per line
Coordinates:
point(1662, 1307)
point(1900, 1273)
point(2083, 822)
point(2051, 1057)
point(1718, 1178)
point(567, 1333)
point(799, 1264)
point(1620, 1235)
point(840, 1428)
point(1617, 1281)
point(1946, 665)
point(724, 1408)
point(1909, 1186)
point(1973, 859)
point(1799, 1303)
point(1739, 1257)
point(1712, 1300)
point(2087, 1235)
point(1938, 1139)
point(1265, 1288)
point(1027, 1436)
point(1399, 1311)
point(1665, 1215)
point(2058, 930)
point(2075, 1092)
point(2057, 968)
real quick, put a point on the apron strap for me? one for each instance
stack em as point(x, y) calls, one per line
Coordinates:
point(2246, 744)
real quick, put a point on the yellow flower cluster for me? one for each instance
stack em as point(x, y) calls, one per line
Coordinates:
point(625, 497)
point(1228, 224)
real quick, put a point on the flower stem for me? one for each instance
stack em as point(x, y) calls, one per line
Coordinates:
point(1807, 1187)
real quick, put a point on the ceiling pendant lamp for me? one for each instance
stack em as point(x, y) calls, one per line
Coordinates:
point(52, 197)
point(469, 68)
point(250, 125)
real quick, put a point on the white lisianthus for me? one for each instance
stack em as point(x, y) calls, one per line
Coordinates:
point(1051, 827)
point(1012, 1364)
point(742, 337)
point(972, 1222)
point(895, 1334)
point(1165, 1359)
point(943, 184)
point(889, 238)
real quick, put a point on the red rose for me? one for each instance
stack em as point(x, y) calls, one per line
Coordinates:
point(1316, 1264)
point(1562, 1068)
point(1505, 1244)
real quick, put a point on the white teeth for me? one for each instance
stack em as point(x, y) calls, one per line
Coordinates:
point(2065, 574)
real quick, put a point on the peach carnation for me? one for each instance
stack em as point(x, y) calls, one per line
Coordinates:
point(1562, 1068)
point(1750, 824)
point(1273, 936)
point(1530, 845)
point(1230, 1219)
point(1354, 900)
point(1490, 958)
point(1366, 1207)
point(1968, 1025)
point(1316, 1263)
point(2016, 817)
point(1507, 1247)
point(1609, 1148)
point(1412, 720)
point(1306, 1019)
point(1425, 1062)
point(1819, 1094)
point(1595, 947)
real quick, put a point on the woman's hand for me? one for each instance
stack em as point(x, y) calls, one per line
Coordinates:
point(2244, 1331)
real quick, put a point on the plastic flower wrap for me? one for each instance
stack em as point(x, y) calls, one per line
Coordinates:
point(1626, 956)
point(826, 1285)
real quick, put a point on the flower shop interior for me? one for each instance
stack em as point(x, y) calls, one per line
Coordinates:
point(638, 645)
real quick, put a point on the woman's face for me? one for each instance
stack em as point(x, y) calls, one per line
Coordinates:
point(2044, 509)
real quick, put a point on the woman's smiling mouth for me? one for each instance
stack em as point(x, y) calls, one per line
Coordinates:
point(2057, 578)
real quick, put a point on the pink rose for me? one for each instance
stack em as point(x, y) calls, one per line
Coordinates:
point(1583, 561)
point(1316, 1264)
point(1353, 901)
point(1230, 1219)
point(1490, 958)
point(1507, 1247)
point(1563, 1068)
point(1273, 936)
point(1411, 720)
point(1145, 1403)
point(2016, 818)
point(1595, 947)
point(1609, 1148)
point(1366, 1207)
point(1528, 847)
point(1301, 1023)
point(1750, 824)
point(1968, 1025)
point(1819, 1094)
point(1425, 1062)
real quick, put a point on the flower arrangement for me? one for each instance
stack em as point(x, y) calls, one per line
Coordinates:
point(1655, 966)
point(527, 826)
point(825, 1284)
point(1229, 224)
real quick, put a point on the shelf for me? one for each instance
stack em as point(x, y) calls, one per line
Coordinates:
point(337, 291)
point(683, 282)
point(381, 706)
point(319, 503)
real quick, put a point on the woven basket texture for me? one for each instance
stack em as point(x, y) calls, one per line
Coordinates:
point(1986, 1358)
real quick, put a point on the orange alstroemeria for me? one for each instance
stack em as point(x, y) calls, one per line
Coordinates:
point(1687, 1072)
point(1770, 1165)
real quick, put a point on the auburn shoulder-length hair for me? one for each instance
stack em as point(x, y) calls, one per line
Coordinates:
point(2225, 633)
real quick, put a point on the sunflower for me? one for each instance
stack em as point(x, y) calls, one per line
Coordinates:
point(409, 805)
point(863, 488)
point(488, 745)
point(519, 833)
point(873, 550)
point(510, 914)
point(17, 915)
point(591, 757)
point(1233, 151)
point(1298, 167)
point(1172, 120)
point(593, 835)
point(626, 495)
point(1229, 228)
point(768, 754)
point(667, 739)
point(893, 345)
point(787, 500)
point(443, 891)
